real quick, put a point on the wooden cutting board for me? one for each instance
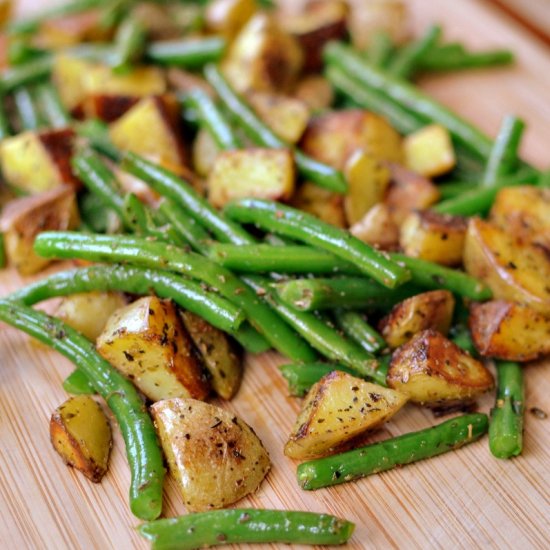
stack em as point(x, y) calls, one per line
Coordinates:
point(464, 499)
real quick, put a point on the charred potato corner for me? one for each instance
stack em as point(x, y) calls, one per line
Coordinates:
point(229, 177)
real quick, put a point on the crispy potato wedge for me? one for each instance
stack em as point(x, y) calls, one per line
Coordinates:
point(107, 107)
point(220, 356)
point(151, 128)
point(524, 212)
point(322, 203)
point(205, 151)
point(509, 331)
point(336, 409)
point(263, 57)
point(228, 17)
point(146, 341)
point(377, 228)
point(33, 162)
point(286, 116)
point(315, 91)
point(435, 372)
point(81, 434)
point(367, 182)
point(24, 218)
point(434, 237)
point(408, 192)
point(429, 310)
point(214, 456)
point(514, 271)
point(429, 151)
point(260, 173)
point(334, 136)
point(88, 312)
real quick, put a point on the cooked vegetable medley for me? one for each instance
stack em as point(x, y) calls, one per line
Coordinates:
point(232, 177)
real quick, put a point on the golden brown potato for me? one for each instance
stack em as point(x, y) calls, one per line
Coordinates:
point(38, 161)
point(140, 81)
point(286, 116)
point(336, 409)
point(88, 312)
point(435, 372)
point(367, 182)
point(334, 136)
point(147, 343)
point(524, 212)
point(434, 237)
point(509, 331)
point(6, 10)
point(408, 192)
point(514, 271)
point(377, 228)
point(107, 107)
point(315, 91)
point(80, 433)
point(24, 218)
point(227, 17)
point(159, 20)
point(429, 310)
point(429, 151)
point(68, 76)
point(220, 356)
point(215, 457)
point(151, 128)
point(322, 203)
point(259, 173)
point(205, 151)
point(263, 57)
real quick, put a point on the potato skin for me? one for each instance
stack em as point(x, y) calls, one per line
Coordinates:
point(81, 434)
point(215, 457)
point(509, 331)
point(429, 310)
point(377, 228)
point(336, 409)
point(435, 372)
point(324, 204)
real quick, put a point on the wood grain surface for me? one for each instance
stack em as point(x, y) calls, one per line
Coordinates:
point(464, 499)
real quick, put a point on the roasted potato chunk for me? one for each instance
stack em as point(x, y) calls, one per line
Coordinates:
point(434, 237)
point(147, 343)
point(315, 91)
point(108, 107)
point(514, 271)
point(429, 151)
point(68, 76)
point(71, 29)
point(151, 129)
point(333, 137)
point(219, 355)
point(88, 312)
point(24, 218)
point(33, 162)
point(263, 57)
point(336, 409)
point(322, 203)
point(139, 82)
point(215, 457)
point(227, 17)
point(524, 212)
point(367, 182)
point(286, 116)
point(429, 310)
point(435, 372)
point(377, 228)
point(509, 331)
point(81, 434)
point(260, 173)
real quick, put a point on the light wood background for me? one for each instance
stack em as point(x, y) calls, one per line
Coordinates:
point(465, 499)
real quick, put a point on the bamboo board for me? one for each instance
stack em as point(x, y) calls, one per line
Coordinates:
point(464, 499)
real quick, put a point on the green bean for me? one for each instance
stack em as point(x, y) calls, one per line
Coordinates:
point(354, 326)
point(51, 104)
point(15, 77)
point(189, 53)
point(129, 44)
point(78, 383)
point(176, 189)
point(189, 295)
point(318, 334)
point(441, 60)
point(21, 51)
point(28, 114)
point(398, 451)
point(250, 339)
point(506, 426)
point(409, 97)
point(97, 134)
point(5, 130)
point(544, 179)
point(205, 529)
point(95, 217)
point(293, 223)
point(212, 119)
point(380, 48)
point(158, 255)
point(256, 130)
point(406, 62)
point(503, 159)
point(142, 449)
point(460, 335)
point(453, 189)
